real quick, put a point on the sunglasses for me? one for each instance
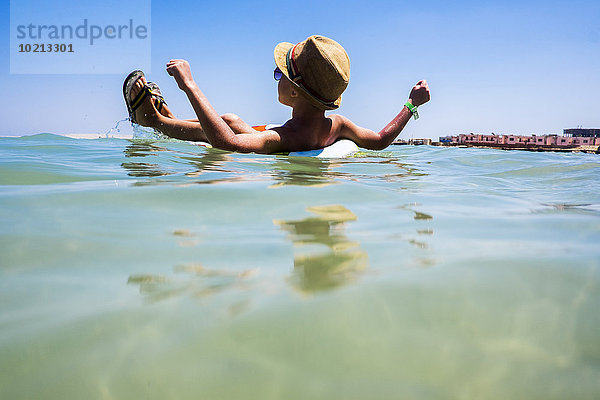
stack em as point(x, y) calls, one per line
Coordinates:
point(277, 74)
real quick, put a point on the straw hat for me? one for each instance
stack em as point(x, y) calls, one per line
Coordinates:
point(318, 66)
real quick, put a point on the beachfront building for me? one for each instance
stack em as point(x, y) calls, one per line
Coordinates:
point(572, 138)
point(583, 136)
point(473, 138)
point(582, 132)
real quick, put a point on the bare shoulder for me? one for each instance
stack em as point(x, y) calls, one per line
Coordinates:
point(339, 124)
point(284, 136)
point(344, 126)
point(363, 137)
point(282, 131)
point(338, 120)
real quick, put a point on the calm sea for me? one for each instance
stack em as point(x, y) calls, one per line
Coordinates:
point(159, 269)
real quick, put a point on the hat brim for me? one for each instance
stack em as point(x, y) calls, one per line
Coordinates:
point(280, 54)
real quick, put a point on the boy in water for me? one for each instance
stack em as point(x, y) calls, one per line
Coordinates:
point(312, 76)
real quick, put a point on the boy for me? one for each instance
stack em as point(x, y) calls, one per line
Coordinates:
point(312, 76)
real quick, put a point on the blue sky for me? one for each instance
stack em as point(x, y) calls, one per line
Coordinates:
point(506, 67)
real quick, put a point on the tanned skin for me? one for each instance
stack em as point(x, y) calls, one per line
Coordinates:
point(308, 129)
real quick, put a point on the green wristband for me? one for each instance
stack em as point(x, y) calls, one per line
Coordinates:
point(412, 109)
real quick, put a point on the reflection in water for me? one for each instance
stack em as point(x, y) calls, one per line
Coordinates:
point(303, 171)
point(142, 149)
point(197, 281)
point(422, 216)
point(582, 208)
point(311, 171)
point(208, 161)
point(143, 169)
point(216, 166)
point(423, 231)
point(194, 280)
point(211, 160)
point(324, 256)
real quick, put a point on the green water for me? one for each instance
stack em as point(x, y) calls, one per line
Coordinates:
point(163, 270)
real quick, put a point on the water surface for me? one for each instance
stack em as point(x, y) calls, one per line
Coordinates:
point(160, 269)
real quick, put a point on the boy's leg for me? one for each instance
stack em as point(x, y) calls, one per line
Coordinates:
point(165, 110)
point(192, 130)
point(146, 115)
point(236, 124)
point(180, 129)
point(166, 123)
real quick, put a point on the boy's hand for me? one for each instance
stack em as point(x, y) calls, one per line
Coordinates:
point(419, 94)
point(180, 70)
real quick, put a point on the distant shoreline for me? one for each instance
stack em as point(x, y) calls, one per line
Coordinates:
point(537, 148)
point(585, 140)
point(595, 149)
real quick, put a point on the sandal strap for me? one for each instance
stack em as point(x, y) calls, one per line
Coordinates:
point(160, 101)
point(156, 94)
point(137, 101)
point(158, 97)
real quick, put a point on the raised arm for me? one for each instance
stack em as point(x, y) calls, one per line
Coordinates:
point(369, 139)
point(218, 133)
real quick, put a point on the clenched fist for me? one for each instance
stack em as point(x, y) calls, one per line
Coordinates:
point(180, 70)
point(419, 94)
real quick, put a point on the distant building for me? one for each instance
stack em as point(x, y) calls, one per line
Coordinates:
point(414, 142)
point(582, 132)
point(420, 142)
point(573, 138)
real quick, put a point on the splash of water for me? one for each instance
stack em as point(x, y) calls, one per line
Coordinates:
point(133, 131)
point(116, 130)
point(144, 132)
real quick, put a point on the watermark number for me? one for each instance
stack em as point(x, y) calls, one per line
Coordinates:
point(46, 48)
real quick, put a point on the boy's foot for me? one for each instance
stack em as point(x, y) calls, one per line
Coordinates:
point(137, 91)
point(158, 100)
point(145, 114)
